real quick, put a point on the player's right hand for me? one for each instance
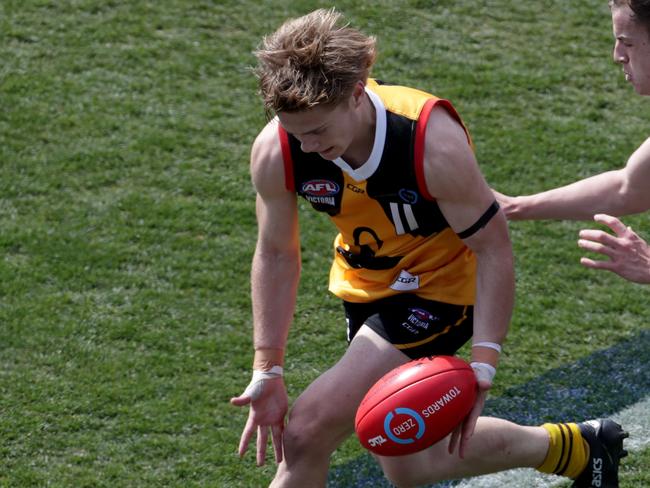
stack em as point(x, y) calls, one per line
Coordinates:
point(461, 436)
point(268, 407)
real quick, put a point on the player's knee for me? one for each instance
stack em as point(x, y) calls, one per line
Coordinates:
point(404, 474)
point(305, 434)
point(423, 468)
point(401, 478)
point(298, 437)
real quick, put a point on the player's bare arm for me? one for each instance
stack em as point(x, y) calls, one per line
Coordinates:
point(276, 263)
point(634, 195)
point(618, 192)
point(454, 179)
point(274, 281)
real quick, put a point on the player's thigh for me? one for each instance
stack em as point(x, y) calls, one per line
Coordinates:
point(329, 404)
point(424, 467)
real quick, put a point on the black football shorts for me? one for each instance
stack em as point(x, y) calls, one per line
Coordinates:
point(414, 325)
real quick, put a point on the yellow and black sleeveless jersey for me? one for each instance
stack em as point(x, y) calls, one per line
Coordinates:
point(392, 236)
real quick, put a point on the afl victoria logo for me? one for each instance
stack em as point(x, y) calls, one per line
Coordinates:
point(320, 188)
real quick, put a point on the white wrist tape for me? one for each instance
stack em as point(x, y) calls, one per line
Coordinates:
point(489, 345)
point(484, 371)
point(256, 386)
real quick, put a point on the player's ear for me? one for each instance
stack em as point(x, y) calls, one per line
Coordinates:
point(358, 93)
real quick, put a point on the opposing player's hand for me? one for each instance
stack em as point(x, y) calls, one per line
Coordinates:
point(268, 408)
point(507, 203)
point(463, 433)
point(629, 254)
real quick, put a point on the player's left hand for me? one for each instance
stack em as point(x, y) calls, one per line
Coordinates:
point(461, 436)
point(629, 254)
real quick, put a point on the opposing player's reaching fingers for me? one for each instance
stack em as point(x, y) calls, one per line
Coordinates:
point(612, 222)
point(597, 246)
point(594, 264)
point(600, 236)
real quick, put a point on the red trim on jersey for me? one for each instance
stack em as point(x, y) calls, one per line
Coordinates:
point(286, 159)
point(418, 149)
point(420, 136)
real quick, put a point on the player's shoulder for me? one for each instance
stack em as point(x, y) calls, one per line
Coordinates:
point(446, 138)
point(267, 164)
point(267, 143)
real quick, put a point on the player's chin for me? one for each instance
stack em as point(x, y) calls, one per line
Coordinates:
point(330, 153)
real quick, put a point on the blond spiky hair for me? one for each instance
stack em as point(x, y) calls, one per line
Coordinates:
point(312, 60)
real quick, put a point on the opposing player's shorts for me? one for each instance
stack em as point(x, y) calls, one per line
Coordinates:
point(415, 326)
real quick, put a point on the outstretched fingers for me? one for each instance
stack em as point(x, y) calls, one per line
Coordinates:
point(602, 242)
point(598, 241)
point(276, 431)
point(262, 437)
point(246, 435)
point(612, 222)
point(594, 264)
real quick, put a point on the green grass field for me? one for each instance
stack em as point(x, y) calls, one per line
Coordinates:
point(127, 222)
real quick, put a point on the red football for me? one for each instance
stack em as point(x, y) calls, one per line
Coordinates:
point(415, 405)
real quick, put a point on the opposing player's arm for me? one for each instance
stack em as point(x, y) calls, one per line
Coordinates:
point(633, 194)
point(455, 180)
point(619, 192)
point(276, 262)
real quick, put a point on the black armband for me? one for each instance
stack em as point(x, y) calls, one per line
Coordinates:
point(481, 222)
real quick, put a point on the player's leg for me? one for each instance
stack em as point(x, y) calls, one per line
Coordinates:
point(588, 452)
point(496, 445)
point(323, 415)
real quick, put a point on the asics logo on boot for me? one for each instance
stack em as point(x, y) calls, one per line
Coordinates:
point(597, 473)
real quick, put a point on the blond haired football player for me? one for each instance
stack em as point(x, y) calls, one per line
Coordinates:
point(420, 235)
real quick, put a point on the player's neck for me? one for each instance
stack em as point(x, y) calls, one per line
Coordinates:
point(361, 146)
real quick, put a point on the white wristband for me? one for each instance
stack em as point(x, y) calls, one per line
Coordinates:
point(484, 371)
point(256, 386)
point(489, 345)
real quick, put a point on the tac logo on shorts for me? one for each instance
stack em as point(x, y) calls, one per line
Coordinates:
point(320, 191)
point(408, 196)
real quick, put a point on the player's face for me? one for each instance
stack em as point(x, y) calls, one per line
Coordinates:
point(324, 130)
point(632, 48)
